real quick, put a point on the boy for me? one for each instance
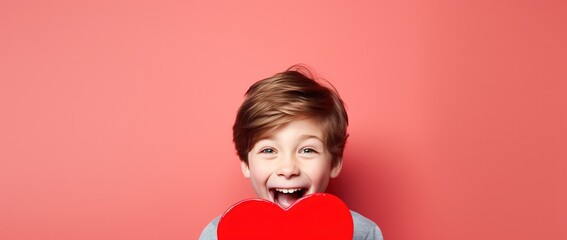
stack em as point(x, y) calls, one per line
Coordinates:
point(290, 133)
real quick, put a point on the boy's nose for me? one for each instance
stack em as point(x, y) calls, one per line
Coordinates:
point(288, 168)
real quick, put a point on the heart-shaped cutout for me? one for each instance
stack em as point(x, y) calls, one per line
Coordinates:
point(315, 216)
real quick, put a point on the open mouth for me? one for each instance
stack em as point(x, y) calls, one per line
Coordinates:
point(285, 197)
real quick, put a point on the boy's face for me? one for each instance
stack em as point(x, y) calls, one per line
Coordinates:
point(291, 162)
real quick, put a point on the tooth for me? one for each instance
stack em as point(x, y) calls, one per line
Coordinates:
point(288, 190)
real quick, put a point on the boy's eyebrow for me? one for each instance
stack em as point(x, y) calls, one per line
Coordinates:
point(270, 137)
point(307, 136)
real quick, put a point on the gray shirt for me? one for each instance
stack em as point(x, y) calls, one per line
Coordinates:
point(364, 229)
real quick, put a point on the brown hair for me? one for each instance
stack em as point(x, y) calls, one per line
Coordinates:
point(284, 97)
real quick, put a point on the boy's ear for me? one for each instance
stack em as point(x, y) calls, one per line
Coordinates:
point(336, 168)
point(245, 169)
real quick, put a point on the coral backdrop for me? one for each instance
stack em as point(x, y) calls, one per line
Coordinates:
point(116, 116)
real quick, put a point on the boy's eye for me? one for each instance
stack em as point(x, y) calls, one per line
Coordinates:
point(307, 150)
point(267, 150)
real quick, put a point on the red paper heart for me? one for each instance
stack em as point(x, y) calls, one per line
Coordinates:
point(316, 216)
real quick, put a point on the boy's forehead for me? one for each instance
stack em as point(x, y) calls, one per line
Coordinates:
point(304, 128)
point(300, 138)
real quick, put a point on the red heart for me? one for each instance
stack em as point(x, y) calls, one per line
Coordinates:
point(316, 216)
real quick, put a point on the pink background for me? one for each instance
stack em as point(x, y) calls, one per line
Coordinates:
point(115, 116)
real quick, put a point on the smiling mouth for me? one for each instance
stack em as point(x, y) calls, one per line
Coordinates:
point(285, 197)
